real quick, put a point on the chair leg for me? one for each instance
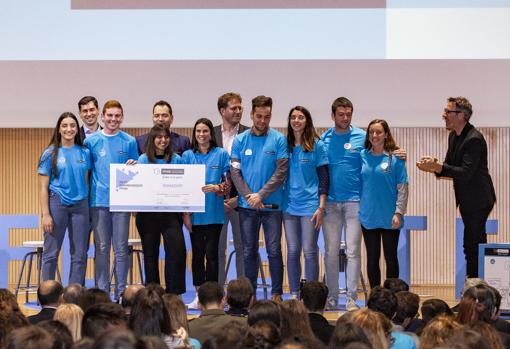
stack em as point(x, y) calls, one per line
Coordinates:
point(139, 260)
point(21, 273)
point(227, 268)
point(262, 275)
point(28, 275)
point(130, 256)
point(39, 268)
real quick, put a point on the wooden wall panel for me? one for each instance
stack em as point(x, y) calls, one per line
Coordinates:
point(433, 251)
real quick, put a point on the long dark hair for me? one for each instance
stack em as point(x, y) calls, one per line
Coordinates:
point(149, 316)
point(150, 149)
point(56, 139)
point(212, 142)
point(309, 135)
point(389, 142)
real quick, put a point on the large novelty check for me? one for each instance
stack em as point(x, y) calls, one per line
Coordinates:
point(157, 188)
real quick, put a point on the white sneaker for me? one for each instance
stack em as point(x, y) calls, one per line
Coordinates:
point(294, 296)
point(193, 304)
point(351, 305)
point(332, 304)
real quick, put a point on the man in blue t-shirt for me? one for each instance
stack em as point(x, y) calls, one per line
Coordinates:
point(109, 146)
point(162, 115)
point(259, 163)
point(344, 143)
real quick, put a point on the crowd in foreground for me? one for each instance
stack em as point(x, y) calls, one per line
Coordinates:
point(147, 317)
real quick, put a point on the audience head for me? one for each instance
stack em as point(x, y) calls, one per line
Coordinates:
point(84, 343)
point(128, 296)
point(70, 315)
point(294, 320)
point(489, 333)
point(59, 331)
point(96, 296)
point(118, 338)
point(11, 316)
point(265, 310)
point(466, 338)
point(176, 312)
point(395, 285)
point(377, 327)
point(73, 294)
point(434, 307)
point(149, 317)
point(151, 342)
point(210, 295)
point(314, 295)
point(226, 338)
point(31, 337)
point(438, 331)
point(102, 317)
point(301, 343)
point(263, 334)
point(384, 301)
point(346, 332)
point(49, 293)
point(477, 303)
point(240, 293)
point(408, 304)
point(470, 282)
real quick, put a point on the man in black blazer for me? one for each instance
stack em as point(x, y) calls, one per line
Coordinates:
point(49, 295)
point(231, 112)
point(466, 163)
point(314, 295)
point(89, 112)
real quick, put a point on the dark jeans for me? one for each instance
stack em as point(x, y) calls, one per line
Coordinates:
point(271, 221)
point(151, 225)
point(204, 246)
point(372, 239)
point(474, 234)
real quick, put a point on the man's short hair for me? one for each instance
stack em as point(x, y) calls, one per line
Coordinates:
point(49, 292)
point(117, 338)
point(73, 294)
point(314, 295)
point(341, 102)
point(31, 337)
point(408, 304)
point(59, 331)
point(112, 104)
point(395, 285)
point(434, 307)
point(261, 101)
point(101, 317)
point(383, 301)
point(227, 97)
point(86, 100)
point(162, 103)
point(210, 292)
point(462, 104)
point(239, 293)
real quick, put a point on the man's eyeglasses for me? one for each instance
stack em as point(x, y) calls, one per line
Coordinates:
point(447, 111)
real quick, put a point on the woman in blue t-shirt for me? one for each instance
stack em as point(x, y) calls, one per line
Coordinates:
point(63, 170)
point(152, 225)
point(383, 199)
point(205, 227)
point(305, 195)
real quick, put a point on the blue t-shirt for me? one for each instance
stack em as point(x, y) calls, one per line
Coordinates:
point(344, 163)
point(72, 166)
point(402, 341)
point(175, 160)
point(301, 195)
point(216, 163)
point(106, 150)
point(379, 188)
point(258, 156)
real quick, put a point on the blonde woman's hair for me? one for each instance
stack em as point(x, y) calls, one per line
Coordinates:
point(71, 316)
point(376, 326)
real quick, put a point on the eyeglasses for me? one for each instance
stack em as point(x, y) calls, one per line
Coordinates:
point(447, 111)
point(236, 108)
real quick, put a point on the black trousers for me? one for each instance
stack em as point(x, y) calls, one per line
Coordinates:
point(474, 234)
point(373, 239)
point(151, 226)
point(204, 247)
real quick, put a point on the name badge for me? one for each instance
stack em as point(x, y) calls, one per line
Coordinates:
point(347, 146)
point(248, 152)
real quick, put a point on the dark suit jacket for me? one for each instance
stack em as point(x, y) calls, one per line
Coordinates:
point(44, 314)
point(82, 132)
point(210, 321)
point(219, 140)
point(179, 143)
point(466, 163)
point(321, 327)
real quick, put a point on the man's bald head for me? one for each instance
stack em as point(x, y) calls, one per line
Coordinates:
point(73, 294)
point(129, 295)
point(49, 293)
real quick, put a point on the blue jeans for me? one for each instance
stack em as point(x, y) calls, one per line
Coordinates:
point(342, 215)
point(300, 232)
point(271, 221)
point(75, 219)
point(110, 227)
point(231, 216)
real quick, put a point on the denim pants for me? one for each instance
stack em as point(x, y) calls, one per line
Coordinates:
point(75, 219)
point(301, 233)
point(271, 221)
point(342, 215)
point(110, 227)
point(231, 216)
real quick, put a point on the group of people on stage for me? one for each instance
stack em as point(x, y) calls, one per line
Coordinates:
point(344, 180)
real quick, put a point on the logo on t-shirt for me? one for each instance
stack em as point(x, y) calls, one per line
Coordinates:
point(62, 160)
point(102, 152)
